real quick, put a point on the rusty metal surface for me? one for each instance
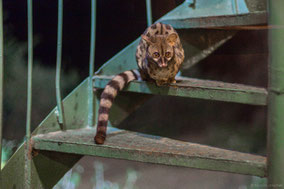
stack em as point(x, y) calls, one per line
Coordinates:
point(152, 149)
point(197, 88)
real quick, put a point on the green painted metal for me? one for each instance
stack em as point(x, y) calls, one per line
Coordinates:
point(76, 112)
point(1, 81)
point(276, 97)
point(200, 43)
point(76, 104)
point(28, 147)
point(91, 64)
point(61, 118)
point(149, 12)
point(145, 148)
point(123, 105)
point(256, 5)
point(124, 60)
point(152, 149)
point(197, 88)
point(47, 169)
point(215, 13)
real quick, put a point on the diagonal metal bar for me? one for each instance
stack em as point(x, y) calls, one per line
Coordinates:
point(1, 82)
point(149, 12)
point(29, 99)
point(91, 64)
point(61, 118)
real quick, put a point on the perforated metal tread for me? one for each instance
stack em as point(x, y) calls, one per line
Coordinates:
point(197, 88)
point(128, 145)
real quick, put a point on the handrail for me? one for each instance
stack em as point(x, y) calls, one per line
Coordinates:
point(60, 109)
point(91, 63)
point(29, 97)
point(149, 12)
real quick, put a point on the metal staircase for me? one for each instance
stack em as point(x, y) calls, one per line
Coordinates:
point(53, 150)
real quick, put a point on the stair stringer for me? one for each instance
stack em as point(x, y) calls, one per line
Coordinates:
point(49, 167)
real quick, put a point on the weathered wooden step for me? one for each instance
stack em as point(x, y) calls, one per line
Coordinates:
point(197, 88)
point(221, 13)
point(152, 149)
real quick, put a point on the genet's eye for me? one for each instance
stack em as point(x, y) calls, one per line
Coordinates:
point(168, 55)
point(156, 55)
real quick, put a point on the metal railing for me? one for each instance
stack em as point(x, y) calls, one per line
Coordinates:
point(276, 86)
point(91, 64)
point(149, 12)
point(1, 82)
point(29, 96)
point(60, 108)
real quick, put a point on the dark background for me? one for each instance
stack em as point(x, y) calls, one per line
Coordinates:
point(118, 24)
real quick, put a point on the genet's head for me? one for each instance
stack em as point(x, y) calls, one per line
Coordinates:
point(160, 48)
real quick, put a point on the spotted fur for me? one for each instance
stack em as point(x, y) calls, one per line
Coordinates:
point(149, 70)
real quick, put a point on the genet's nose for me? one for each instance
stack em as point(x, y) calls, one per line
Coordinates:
point(163, 65)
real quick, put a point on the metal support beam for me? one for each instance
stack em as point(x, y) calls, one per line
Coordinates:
point(29, 99)
point(276, 97)
point(91, 65)
point(1, 82)
point(61, 117)
point(149, 12)
point(47, 169)
point(46, 163)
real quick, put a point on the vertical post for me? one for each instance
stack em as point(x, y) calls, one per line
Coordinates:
point(29, 98)
point(61, 118)
point(276, 97)
point(236, 7)
point(149, 12)
point(91, 64)
point(1, 83)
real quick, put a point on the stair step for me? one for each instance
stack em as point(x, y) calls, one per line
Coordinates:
point(208, 14)
point(196, 88)
point(128, 145)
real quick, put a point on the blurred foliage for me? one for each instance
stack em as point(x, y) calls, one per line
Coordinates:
point(15, 88)
point(7, 151)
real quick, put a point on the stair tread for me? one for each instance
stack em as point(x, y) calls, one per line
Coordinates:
point(208, 14)
point(196, 88)
point(129, 145)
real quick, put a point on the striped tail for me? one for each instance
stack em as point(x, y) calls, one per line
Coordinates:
point(107, 97)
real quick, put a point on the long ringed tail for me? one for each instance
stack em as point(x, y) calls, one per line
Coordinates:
point(107, 97)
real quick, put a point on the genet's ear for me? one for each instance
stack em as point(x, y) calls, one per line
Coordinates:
point(147, 39)
point(172, 39)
